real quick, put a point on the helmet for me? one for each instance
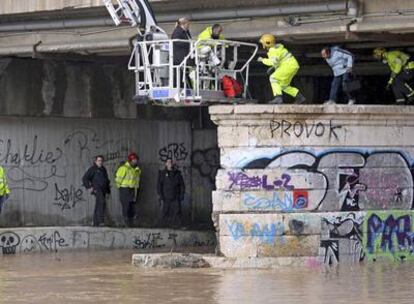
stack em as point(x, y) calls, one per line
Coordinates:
point(267, 40)
point(379, 52)
point(132, 156)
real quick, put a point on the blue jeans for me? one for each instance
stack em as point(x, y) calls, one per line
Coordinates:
point(337, 83)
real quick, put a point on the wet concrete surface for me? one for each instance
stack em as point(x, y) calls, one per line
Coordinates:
point(109, 277)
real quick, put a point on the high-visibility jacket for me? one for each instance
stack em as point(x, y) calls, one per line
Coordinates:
point(4, 188)
point(208, 34)
point(396, 61)
point(128, 176)
point(279, 55)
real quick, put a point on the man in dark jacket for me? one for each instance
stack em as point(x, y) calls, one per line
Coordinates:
point(181, 49)
point(182, 32)
point(171, 190)
point(96, 180)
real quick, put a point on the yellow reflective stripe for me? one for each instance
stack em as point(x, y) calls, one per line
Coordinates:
point(287, 56)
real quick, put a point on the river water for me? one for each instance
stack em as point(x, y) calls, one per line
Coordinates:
point(109, 277)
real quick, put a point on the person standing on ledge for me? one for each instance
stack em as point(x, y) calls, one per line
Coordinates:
point(96, 180)
point(341, 62)
point(127, 181)
point(171, 190)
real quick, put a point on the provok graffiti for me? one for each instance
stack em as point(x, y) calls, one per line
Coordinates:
point(285, 128)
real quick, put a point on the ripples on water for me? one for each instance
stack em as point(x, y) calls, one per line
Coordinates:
point(108, 277)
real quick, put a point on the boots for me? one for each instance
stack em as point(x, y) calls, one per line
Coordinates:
point(277, 100)
point(299, 99)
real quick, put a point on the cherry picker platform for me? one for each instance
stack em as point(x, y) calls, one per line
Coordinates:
point(194, 81)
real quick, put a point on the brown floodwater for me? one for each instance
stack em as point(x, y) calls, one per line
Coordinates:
point(109, 277)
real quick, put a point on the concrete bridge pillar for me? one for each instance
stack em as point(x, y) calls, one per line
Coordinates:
point(324, 184)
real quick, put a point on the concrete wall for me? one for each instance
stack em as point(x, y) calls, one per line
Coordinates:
point(310, 181)
point(31, 87)
point(205, 163)
point(25, 6)
point(56, 239)
point(46, 158)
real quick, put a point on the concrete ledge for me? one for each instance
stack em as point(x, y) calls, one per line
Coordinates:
point(179, 260)
point(55, 239)
point(311, 109)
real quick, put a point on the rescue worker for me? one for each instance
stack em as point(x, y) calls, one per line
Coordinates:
point(284, 68)
point(127, 180)
point(4, 188)
point(208, 58)
point(341, 63)
point(401, 73)
point(171, 190)
point(212, 33)
point(97, 181)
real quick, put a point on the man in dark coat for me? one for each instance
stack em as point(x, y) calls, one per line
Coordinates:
point(171, 190)
point(182, 32)
point(181, 49)
point(96, 180)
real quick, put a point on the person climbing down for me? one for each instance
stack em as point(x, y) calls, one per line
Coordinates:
point(402, 71)
point(284, 67)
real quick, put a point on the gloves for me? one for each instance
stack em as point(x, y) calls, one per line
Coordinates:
point(270, 71)
point(260, 59)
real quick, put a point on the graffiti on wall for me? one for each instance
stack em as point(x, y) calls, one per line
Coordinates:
point(57, 169)
point(352, 180)
point(389, 234)
point(283, 200)
point(174, 151)
point(56, 240)
point(206, 162)
point(242, 181)
point(68, 198)
point(32, 154)
point(285, 129)
point(266, 233)
point(11, 242)
point(341, 239)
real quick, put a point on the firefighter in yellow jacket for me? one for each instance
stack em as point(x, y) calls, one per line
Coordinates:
point(4, 188)
point(127, 181)
point(283, 68)
point(402, 71)
point(212, 33)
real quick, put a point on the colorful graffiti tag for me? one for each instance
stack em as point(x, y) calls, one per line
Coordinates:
point(389, 234)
